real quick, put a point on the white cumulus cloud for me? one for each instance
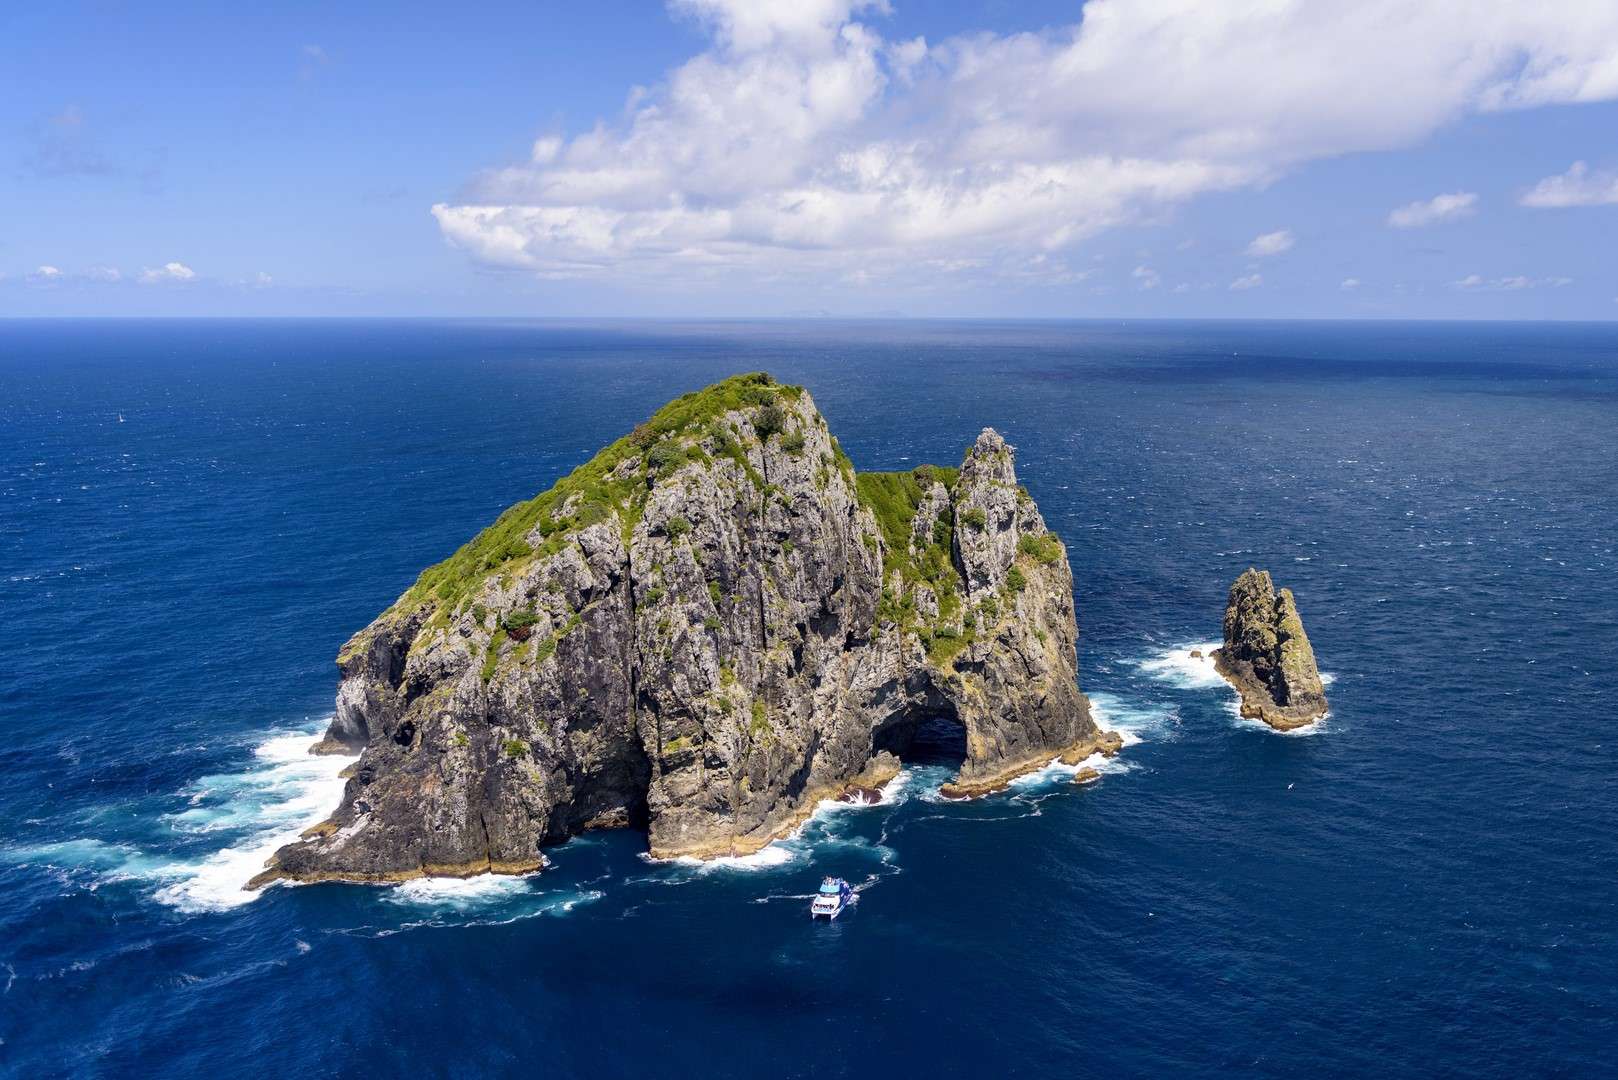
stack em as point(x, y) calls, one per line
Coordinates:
point(168, 272)
point(1146, 277)
point(1273, 243)
point(1512, 283)
point(46, 273)
point(1250, 281)
point(1439, 208)
point(803, 142)
point(1576, 187)
point(1350, 284)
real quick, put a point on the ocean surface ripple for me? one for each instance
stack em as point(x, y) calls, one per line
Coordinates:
point(195, 515)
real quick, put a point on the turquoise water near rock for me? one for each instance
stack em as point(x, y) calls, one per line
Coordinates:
point(194, 515)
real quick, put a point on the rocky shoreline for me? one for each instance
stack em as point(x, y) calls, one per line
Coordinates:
point(704, 631)
point(1105, 743)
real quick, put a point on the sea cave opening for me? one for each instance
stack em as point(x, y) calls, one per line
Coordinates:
point(924, 736)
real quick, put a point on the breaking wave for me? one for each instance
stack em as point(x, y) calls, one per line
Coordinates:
point(285, 790)
point(1178, 667)
point(458, 894)
point(254, 811)
point(232, 822)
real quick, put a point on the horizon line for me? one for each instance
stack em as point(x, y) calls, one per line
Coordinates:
point(1482, 321)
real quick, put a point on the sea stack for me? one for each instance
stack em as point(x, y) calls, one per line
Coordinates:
point(1266, 655)
point(701, 632)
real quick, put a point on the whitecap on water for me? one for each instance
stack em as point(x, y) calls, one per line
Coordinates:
point(95, 860)
point(893, 792)
point(1056, 771)
point(284, 791)
point(459, 894)
point(1132, 721)
point(1179, 667)
point(821, 832)
point(771, 855)
point(925, 782)
point(911, 781)
point(819, 829)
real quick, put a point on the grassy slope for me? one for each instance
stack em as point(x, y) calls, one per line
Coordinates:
point(662, 444)
point(682, 431)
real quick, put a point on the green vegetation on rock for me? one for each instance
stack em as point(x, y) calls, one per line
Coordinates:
point(760, 725)
point(1043, 548)
point(614, 482)
point(519, 623)
point(771, 420)
point(491, 656)
point(893, 499)
point(715, 423)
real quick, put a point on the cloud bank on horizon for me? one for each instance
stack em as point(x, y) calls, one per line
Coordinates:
point(801, 142)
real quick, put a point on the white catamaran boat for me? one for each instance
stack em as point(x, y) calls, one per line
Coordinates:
point(834, 896)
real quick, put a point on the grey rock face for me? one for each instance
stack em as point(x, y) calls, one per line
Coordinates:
point(986, 545)
point(1267, 656)
point(703, 632)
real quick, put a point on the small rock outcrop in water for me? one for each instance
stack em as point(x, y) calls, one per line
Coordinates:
point(703, 631)
point(1267, 657)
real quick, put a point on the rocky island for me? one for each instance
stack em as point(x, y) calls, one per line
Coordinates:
point(703, 631)
point(1266, 655)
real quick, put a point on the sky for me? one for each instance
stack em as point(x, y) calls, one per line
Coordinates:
point(1451, 159)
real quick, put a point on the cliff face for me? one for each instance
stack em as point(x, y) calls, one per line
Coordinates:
point(703, 631)
point(1267, 657)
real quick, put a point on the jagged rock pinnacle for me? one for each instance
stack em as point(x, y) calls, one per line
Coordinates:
point(1266, 655)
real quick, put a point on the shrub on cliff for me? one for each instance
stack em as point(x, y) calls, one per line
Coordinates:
point(769, 420)
point(1044, 548)
point(519, 625)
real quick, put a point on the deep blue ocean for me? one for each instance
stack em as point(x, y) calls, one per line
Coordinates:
point(195, 515)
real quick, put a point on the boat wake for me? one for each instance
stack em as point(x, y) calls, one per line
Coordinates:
point(491, 909)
